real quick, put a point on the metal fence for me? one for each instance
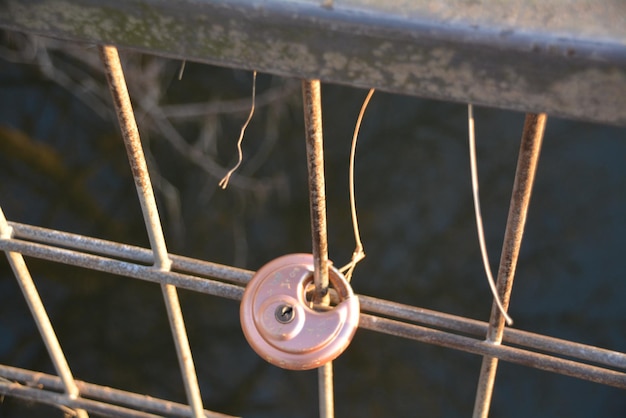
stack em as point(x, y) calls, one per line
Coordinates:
point(527, 60)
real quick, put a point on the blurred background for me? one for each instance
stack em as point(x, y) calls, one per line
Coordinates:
point(63, 166)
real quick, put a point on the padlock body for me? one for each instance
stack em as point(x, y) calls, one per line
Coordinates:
point(282, 326)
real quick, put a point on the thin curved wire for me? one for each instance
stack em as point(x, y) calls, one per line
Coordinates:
point(224, 182)
point(359, 253)
point(479, 218)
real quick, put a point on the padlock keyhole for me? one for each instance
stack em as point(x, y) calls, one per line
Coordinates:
point(284, 314)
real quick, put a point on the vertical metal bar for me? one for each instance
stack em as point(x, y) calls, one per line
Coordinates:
point(25, 280)
point(325, 388)
point(317, 191)
point(532, 136)
point(311, 94)
point(130, 133)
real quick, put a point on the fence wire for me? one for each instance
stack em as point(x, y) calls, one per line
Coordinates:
point(534, 350)
point(174, 272)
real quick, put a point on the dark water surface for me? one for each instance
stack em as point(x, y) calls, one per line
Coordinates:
point(68, 170)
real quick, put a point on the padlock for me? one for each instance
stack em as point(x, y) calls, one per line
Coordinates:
point(283, 327)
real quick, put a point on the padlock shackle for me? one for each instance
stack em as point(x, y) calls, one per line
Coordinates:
point(338, 284)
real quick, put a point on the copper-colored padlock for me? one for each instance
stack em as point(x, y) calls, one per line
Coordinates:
point(282, 326)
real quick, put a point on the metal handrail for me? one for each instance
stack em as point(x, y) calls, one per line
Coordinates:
point(564, 58)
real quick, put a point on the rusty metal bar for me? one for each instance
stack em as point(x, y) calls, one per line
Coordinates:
point(485, 348)
point(312, 98)
point(513, 336)
point(111, 396)
point(128, 252)
point(395, 323)
point(312, 101)
point(530, 148)
point(123, 268)
point(202, 268)
point(325, 388)
point(368, 304)
point(38, 311)
point(61, 399)
point(564, 58)
point(130, 133)
point(139, 168)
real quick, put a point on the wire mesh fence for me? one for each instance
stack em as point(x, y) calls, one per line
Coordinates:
point(171, 272)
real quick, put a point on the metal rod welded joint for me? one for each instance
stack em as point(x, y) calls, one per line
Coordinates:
point(532, 136)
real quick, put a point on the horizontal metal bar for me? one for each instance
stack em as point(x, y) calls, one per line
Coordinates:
point(565, 58)
point(56, 399)
point(47, 382)
point(123, 268)
point(513, 336)
point(385, 325)
point(368, 304)
point(128, 252)
point(502, 352)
